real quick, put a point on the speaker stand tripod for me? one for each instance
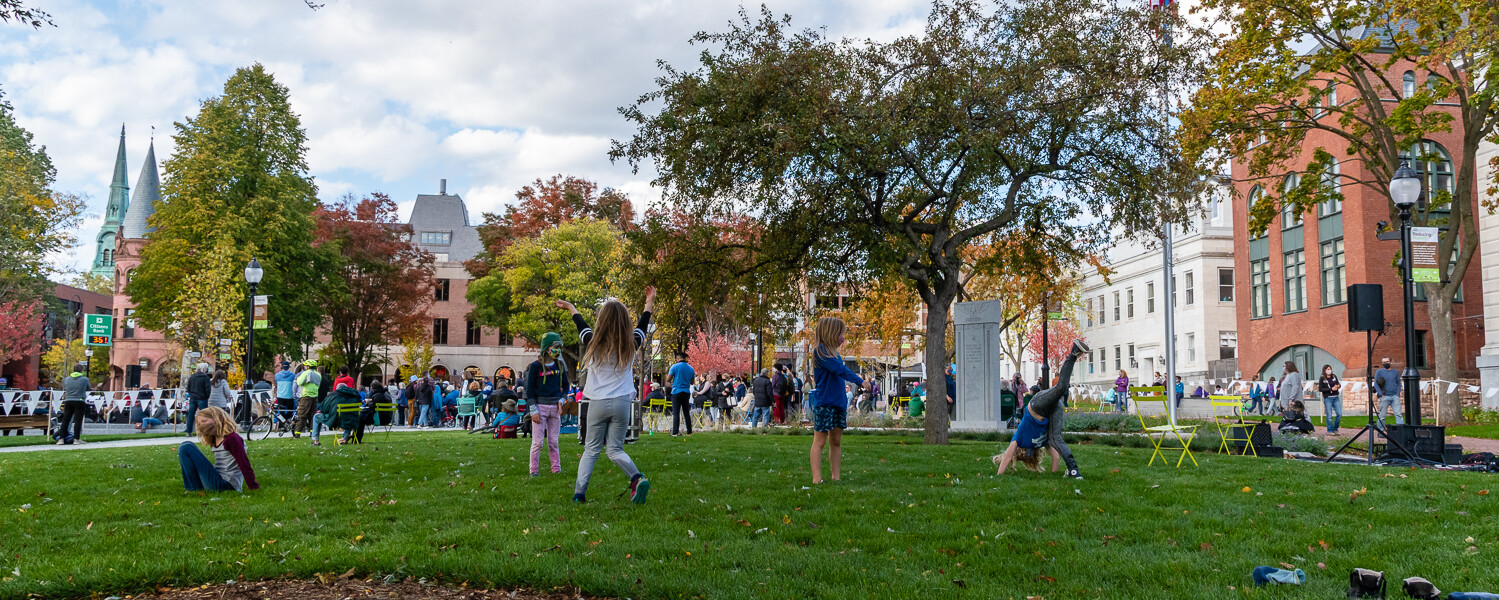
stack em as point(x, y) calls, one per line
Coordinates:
point(1371, 428)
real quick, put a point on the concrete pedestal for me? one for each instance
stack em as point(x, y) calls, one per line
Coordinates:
point(977, 329)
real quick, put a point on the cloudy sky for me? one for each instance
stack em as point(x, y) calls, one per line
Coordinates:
point(489, 94)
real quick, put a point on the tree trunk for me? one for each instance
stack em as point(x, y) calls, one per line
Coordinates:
point(936, 362)
point(1449, 409)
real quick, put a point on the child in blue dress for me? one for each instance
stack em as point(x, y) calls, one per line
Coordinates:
point(829, 404)
point(1030, 436)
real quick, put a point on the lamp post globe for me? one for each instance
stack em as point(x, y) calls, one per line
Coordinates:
point(1405, 187)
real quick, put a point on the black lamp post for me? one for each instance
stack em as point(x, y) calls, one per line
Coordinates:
point(253, 274)
point(1405, 189)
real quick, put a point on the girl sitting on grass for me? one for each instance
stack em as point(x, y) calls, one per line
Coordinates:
point(609, 357)
point(1030, 437)
point(230, 469)
point(829, 404)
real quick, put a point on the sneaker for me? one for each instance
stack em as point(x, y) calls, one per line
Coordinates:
point(59, 441)
point(1073, 473)
point(296, 435)
point(1080, 347)
point(579, 498)
point(536, 474)
point(639, 488)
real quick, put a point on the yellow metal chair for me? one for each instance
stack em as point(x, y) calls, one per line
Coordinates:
point(1230, 423)
point(1159, 434)
point(655, 411)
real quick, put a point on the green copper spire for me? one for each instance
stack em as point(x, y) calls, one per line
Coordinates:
point(114, 213)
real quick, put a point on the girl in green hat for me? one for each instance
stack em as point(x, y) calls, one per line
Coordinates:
point(546, 382)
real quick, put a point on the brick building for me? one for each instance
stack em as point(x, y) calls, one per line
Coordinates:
point(1293, 304)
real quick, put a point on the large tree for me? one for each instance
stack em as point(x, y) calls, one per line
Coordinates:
point(239, 174)
point(546, 204)
point(578, 261)
point(383, 286)
point(1292, 71)
point(861, 157)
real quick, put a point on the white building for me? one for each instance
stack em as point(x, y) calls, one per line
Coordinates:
point(1123, 319)
point(1488, 251)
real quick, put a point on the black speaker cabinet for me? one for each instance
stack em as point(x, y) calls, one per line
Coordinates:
point(1365, 307)
point(1424, 440)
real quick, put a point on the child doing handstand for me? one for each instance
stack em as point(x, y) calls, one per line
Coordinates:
point(1031, 435)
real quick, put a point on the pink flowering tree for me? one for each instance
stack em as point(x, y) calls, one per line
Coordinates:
point(1060, 336)
point(716, 353)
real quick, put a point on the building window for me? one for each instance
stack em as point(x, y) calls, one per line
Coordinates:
point(439, 332)
point(440, 291)
point(1225, 285)
point(1129, 304)
point(1290, 214)
point(1090, 362)
point(506, 339)
point(1295, 271)
point(1334, 277)
point(1118, 359)
point(1432, 162)
point(1101, 310)
point(1173, 291)
point(1331, 184)
point(1255, 194)
point(1259, 288)
point(1132, 363)
point(1421, 361)
point(1332, 94)
point(1228, 344)
point(1214, 204)
point(1408, 84)
point(127, 324)
point(1191, 348)
point(1088, 310)
point(1150, 297)
point(437, 238)
point(441, 257)
point(1116, 306)
point(473, 334)
point(1191, 290)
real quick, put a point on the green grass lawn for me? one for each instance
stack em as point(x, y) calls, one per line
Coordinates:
point(730, 516)
point(35, 437)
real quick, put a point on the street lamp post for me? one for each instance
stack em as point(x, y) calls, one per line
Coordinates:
point(1405, 190)
point(253, 273)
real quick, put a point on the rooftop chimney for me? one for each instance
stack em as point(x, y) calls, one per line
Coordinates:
point(442, 187)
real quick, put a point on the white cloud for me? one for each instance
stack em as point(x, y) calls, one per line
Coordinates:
point(393, 95)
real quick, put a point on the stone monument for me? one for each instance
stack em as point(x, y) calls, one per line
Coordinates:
point(977, 332)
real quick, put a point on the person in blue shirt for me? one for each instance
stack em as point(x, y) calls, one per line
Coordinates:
point(829, 404)
point(1025, 445)
point(286, 389)
point(681, 376)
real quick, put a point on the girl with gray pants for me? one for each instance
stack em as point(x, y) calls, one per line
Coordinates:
point(1032, 434)
point(609, 357)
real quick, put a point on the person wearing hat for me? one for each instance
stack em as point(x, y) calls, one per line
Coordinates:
point(546, 382)
point(286, 389)
point(74, 394)
point(307, 383)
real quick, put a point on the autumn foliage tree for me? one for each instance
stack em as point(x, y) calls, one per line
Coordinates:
point(546, 204)
point(383, 287)
point(1059, 337)
point(20, 332)
point(712, 352)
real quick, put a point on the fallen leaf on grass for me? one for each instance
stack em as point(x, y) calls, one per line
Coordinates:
point(1205, 547)
point(89, 526)
point(347, 574)
point(1288, 566)
point(1046, 578)
point(1356, 493)
point(1323, 544)
point(1246, 489)
point(1483, 492)
point(1321, 565)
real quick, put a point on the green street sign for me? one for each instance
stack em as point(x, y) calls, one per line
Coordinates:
point(1055, 316)
point(98, 330)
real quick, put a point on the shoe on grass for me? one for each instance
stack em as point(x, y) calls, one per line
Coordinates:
point(579, 498)
point(1074, 473)
point(639, 488)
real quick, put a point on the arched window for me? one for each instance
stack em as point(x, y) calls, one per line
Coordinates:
point(1432, 162)
point(1408, 87)
point(1290, 215)
point(1331, 182)
point(1255, 194)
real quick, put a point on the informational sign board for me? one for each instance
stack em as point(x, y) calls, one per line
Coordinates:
point(1424, 267)
point(98, 330)
point(261, 312)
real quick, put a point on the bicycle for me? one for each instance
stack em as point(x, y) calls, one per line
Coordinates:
point(275, 419)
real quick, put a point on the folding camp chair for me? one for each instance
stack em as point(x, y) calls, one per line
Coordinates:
point(1231, 425)
point(1159, 434)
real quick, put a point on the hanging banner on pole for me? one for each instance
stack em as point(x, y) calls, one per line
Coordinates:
point(261, 313)
point(1424, 267)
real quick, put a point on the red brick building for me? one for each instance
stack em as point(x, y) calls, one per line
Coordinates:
point(1296, 274)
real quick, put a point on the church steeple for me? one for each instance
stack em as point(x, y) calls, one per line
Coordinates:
point(114, 212)
point(143, 203)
